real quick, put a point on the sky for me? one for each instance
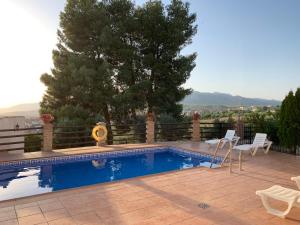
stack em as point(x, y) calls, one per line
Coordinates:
point(249, 48)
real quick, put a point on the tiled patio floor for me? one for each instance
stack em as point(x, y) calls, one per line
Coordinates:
point(170, 198)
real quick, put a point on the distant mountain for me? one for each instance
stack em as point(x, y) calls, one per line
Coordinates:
point(196, 98)
point(27, 110)
point(211, 99)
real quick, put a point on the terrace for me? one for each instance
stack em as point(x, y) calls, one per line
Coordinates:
point(192, 196)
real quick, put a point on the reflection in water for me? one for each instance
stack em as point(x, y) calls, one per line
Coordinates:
point(21, 182)
point(8, 175)
point(149, 160)
point(99, 163)
point(46, 178)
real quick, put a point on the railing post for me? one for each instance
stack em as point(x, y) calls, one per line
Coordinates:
point(196, 127)
point(240, 128)
point(150, 128)
point(47, 132)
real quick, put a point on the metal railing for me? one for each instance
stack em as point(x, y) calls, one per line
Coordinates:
point(66, 136)
point(128, 133)
point(69, 136)
point(173, 131)
point(214, 130)
point(25, 139)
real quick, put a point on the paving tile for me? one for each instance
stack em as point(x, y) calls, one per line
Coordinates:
point(166, 218)
point(90, 218)
point(56, 214)
point(5, 204)
point(26, 205)
point(28, 211)
point(63, 221)
point(78, 210)
point(195, 221)
point(32, 220)
point(7, 214)
point(9, 222)
point(51, 206)
point(47, 201)
point(7, 209)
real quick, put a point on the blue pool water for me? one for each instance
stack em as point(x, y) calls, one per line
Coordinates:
point(27, 178)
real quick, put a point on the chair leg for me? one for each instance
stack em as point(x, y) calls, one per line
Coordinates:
point(253, 152)
point(266, 151)
point(240, 160)
point(218, 147)
point(225, 157)
point(281, 214)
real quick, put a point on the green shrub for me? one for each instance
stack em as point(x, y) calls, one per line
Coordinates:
point(33, 143)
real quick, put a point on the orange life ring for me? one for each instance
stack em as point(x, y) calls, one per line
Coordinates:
point(99, 133)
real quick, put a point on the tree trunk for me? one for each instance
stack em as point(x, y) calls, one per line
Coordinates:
point(133, 114)
point(108, 124)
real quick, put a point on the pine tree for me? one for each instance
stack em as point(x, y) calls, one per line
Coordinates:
point(163, 33)
point(114, 59)
point(123, 53)
point(297, 118)
point(81, 78)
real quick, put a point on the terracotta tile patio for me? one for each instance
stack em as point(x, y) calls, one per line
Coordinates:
point(169, 198)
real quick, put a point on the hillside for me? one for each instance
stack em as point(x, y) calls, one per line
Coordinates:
point(221, 99)
point(215, 101)
point(27, 110)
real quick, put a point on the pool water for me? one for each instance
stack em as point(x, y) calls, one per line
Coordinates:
point(42, 177)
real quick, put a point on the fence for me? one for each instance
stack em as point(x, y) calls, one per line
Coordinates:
point(214, 130)
point(80, 136)
point(173, 131)
point(72, 136)
point(66, 136)
point(27, 139)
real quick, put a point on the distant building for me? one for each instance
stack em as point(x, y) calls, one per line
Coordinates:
point(10, 126)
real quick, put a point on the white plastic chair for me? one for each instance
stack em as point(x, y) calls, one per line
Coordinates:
point(290, 196)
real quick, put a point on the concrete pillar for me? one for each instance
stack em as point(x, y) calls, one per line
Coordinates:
point(196, 127)
point(150, 126)
point(47, 132)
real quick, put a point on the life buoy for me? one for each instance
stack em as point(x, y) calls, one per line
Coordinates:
point(99, 133)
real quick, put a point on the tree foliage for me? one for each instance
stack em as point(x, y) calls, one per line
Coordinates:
point(289, 129)
point(115, 60)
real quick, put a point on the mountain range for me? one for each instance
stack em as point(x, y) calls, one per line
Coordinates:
point(196, 98)
point(222, 99)
point(27, 110)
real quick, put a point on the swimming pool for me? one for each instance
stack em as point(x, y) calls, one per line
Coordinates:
point(37, 176)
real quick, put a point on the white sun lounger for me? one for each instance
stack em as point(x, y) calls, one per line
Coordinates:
point(229, 136)
point(290, 196)
point(297, 180)
point(260, 141)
